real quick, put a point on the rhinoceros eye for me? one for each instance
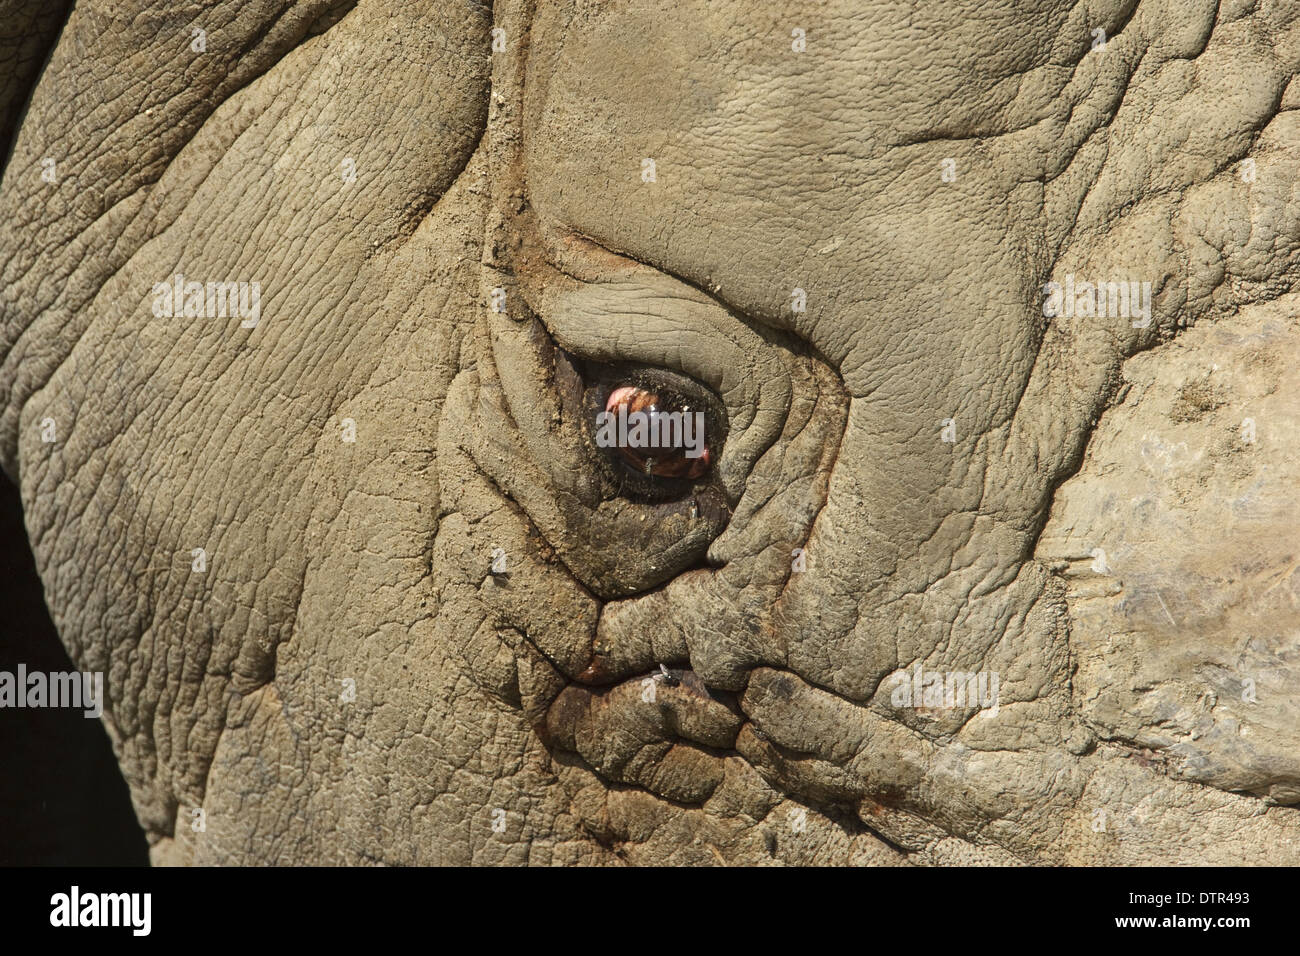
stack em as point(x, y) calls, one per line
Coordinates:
point(656, 435)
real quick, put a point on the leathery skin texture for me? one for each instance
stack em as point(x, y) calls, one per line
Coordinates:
point(984, 569)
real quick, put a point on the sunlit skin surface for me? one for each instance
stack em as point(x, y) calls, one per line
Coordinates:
point(842, 248)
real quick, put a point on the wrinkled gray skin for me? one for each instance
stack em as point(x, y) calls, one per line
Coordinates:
point(504, 720)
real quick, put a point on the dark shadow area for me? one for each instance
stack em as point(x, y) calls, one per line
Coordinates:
point(28, 32)
point(62, 798)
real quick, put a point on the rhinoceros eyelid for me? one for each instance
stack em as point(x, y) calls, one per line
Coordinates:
point(654, 320)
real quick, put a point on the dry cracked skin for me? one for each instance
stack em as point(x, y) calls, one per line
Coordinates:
point(983, 568)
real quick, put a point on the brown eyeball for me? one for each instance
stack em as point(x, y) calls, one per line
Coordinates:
point(654, 437)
